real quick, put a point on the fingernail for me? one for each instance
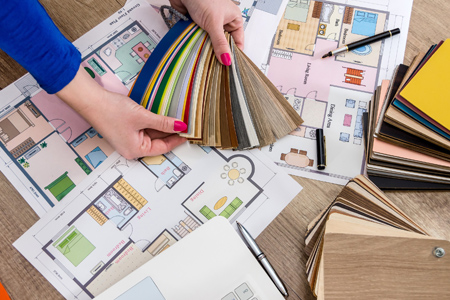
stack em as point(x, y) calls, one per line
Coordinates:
point(226, 59)
point(179, 126)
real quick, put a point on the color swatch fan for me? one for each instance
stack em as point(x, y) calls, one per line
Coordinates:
point(233, 107)
point(362, 246)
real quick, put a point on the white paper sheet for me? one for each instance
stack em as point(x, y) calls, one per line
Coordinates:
point(127, 212)
point(46, 148)
point(331, 93)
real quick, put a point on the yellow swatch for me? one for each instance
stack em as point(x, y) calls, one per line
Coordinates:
point(429, 89)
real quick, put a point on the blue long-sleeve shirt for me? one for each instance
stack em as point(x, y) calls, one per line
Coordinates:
point(29, 36)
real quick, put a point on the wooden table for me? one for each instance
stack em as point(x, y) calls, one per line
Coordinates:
point(283, 240)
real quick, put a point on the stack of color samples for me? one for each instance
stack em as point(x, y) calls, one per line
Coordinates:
point(408, 144)
point(233, 107)
point(362, 246)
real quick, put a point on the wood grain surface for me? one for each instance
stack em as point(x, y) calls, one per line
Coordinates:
point(283, 240)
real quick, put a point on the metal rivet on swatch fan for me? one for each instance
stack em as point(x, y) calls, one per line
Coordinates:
point(439, 252)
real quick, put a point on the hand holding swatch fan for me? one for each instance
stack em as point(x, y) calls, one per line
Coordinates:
point(233, 107)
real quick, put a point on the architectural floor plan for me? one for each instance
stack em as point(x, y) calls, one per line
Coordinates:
point(46, 148)
point(127, 212)
point(112, 214)
point(249, 7)
point(331, 93)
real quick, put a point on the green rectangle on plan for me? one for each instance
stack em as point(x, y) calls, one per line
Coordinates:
point(236, 203)
point(72, 235)
point(231, 208)
point(224, 214)
point(64, 243)
point(76, 247)
point(96, 66)
point(207, 212)
point(61, 186)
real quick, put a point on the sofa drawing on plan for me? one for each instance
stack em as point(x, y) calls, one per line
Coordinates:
point(297, 158)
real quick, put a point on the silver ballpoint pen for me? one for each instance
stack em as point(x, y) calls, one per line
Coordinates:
point(262, 259)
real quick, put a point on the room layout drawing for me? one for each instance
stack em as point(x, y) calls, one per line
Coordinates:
point(47, 145)
point(327, 93)
point(124, 54)
point(248, 7)
point(117, 220)
point(168, 168)
point(51, 144)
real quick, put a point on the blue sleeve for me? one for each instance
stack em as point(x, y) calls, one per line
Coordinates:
point(29, 36)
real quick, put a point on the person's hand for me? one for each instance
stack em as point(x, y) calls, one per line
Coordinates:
point(215, 16)
point(130, 129)
point(133, 130)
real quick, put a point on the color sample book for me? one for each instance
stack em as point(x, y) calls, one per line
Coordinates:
point(413, 118)
point(233, 107)
point(389, 164)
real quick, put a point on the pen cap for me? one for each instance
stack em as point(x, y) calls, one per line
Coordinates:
point(251, 243)
point(395, 31)
point(373, 39)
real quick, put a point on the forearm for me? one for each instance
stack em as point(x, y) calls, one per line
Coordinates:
point(85, 96)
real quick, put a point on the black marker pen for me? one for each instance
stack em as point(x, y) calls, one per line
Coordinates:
point(321, 150)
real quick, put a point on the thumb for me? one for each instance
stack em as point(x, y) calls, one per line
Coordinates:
point(162, 123)
point(220, 44)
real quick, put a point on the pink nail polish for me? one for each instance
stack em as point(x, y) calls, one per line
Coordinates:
point(226, 59)
point(179, 126)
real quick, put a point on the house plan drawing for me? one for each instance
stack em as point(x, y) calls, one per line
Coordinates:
point(126, 213)
point(46, 148)
point(331, 93)
point(103, 216)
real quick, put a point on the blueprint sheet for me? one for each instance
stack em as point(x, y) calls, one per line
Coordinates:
point(330, 93)
point(110, 214)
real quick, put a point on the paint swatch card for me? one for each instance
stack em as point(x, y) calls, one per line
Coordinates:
point(228, 107)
